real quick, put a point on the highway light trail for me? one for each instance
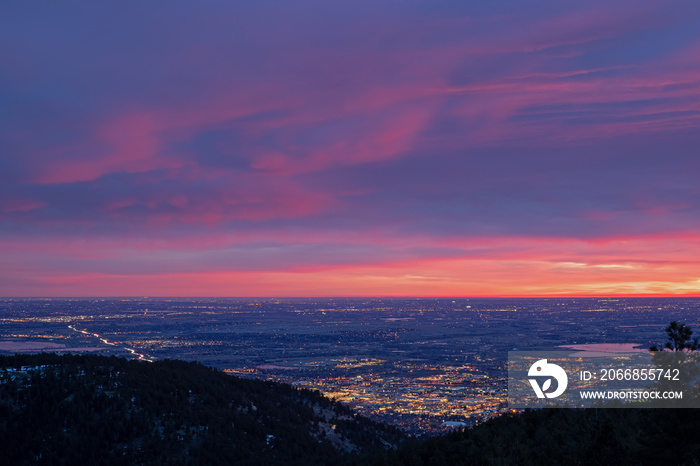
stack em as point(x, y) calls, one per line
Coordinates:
point(137, 355)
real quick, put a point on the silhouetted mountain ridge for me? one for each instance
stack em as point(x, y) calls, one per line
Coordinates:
point(86, 409)
point(562, 436)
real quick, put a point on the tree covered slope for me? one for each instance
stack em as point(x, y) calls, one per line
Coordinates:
point(84, 409)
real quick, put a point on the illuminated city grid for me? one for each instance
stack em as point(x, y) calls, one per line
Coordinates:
point(415, 363)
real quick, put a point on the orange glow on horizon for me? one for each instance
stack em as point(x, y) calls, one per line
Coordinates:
point(515, 267)
point(431, 278)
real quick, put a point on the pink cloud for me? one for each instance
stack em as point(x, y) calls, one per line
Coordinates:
point(20, 205)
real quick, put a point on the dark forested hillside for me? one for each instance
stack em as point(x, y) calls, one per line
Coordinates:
point(563, 437)
point(78, 409)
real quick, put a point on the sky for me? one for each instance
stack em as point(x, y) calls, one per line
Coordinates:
point(356, 148)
